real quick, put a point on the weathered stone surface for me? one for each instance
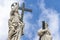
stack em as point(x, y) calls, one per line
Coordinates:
point(44, 34)
point(15, 24)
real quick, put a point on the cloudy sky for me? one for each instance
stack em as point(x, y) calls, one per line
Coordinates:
point(47, 10)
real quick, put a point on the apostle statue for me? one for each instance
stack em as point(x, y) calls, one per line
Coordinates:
point(44, 33)
point(15, 23)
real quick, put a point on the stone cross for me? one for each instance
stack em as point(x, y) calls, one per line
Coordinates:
point(44, 33)
point(43, 24)
point(15, 23)
point(24, 9)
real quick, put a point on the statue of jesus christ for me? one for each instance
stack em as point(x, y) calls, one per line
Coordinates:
point(15, 23)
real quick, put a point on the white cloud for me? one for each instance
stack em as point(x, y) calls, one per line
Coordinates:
point(27, 26)
point(51, 16)
point(36, 37)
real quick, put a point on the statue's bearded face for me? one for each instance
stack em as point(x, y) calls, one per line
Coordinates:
point(14, 6)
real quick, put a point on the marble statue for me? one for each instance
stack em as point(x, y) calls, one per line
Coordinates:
point(15, 24)
point(44, 33)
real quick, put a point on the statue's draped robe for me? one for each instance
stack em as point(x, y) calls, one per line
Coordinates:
point(15, 27)
point(44, 35)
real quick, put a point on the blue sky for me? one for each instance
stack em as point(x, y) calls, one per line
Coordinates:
point(47, 10)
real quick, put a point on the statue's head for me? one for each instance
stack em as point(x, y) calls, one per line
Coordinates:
point(15, 6)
